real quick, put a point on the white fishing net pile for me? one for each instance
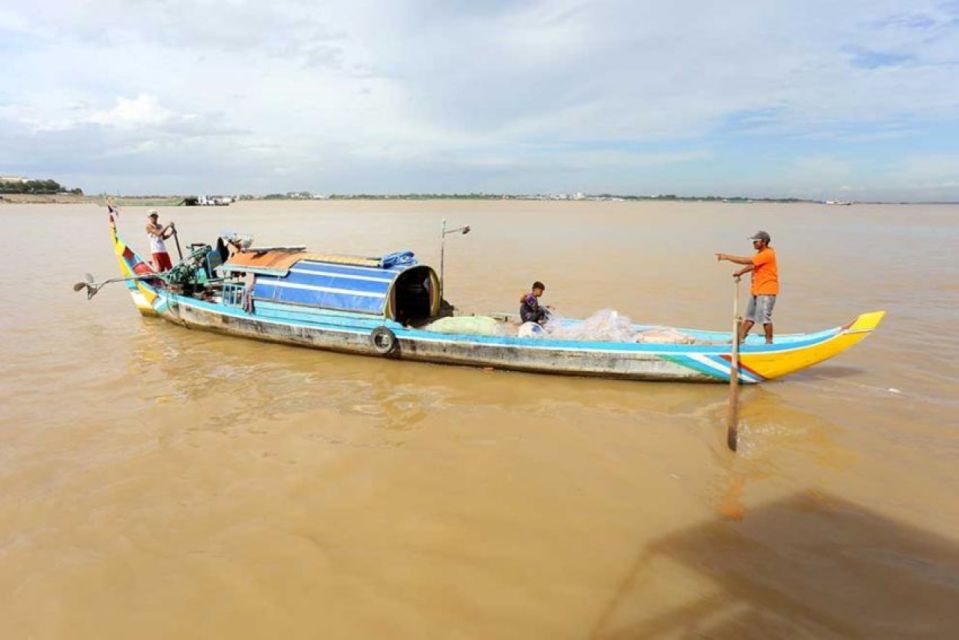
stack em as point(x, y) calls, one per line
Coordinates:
point(606, 325)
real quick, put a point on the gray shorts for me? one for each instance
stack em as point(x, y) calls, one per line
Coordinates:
point(760, 309)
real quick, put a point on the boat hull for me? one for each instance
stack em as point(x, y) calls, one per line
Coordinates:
point(422, 346)
point(352, 333)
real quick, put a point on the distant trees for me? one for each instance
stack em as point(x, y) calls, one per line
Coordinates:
point(44, 187)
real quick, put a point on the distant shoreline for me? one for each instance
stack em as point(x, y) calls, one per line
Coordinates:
point(66, 198)
point(175, 200)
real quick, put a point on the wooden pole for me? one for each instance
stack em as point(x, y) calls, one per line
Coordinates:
point(177, 239)
point(442, 256)
point(732, 415)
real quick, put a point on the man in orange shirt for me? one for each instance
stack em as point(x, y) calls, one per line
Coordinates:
point(765, 285)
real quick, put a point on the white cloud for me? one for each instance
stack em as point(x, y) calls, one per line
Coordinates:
point(434, 95)
point(129, 113)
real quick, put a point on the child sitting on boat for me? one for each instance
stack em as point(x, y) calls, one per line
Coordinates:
point(530, 309)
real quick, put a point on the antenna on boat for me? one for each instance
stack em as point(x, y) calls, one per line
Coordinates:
point(464, 230)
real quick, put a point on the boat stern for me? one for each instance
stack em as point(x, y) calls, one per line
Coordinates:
point(131, 265)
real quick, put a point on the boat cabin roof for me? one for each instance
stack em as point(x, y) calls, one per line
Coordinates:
point(279, 260)
point(394, 285)
point(272, 262)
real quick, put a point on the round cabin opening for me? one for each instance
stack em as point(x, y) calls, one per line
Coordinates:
point(415, 296)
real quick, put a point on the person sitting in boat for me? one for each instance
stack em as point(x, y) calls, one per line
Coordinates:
point(765, 285)
point(157, 234)
point(530, 309)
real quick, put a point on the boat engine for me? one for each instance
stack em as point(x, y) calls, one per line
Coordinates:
point(192, 274)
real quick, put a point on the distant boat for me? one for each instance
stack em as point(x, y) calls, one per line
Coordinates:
point(387, 307)
point(838, 203)
point(207, 201)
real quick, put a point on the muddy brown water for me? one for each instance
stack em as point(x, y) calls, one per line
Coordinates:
point(158, 482)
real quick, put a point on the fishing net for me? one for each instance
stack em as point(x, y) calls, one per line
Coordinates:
point(606, 325)
point(468, 325)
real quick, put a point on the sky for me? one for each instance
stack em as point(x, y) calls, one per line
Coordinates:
point(851, 100)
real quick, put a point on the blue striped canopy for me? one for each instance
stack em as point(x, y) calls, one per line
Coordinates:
point(363, 289)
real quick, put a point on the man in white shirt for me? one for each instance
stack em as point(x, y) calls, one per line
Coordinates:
point(157, 234)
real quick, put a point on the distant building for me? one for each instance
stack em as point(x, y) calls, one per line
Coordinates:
point(14, 179)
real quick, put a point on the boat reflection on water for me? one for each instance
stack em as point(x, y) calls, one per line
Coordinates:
point(272, 380)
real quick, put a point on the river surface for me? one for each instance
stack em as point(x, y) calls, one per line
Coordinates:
point(158, 482)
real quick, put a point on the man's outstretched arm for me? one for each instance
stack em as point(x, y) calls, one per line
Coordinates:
point(737, 259)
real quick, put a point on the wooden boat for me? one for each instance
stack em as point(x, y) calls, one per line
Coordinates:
point(383, 307)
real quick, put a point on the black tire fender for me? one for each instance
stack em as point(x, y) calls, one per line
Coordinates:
point(383, 341)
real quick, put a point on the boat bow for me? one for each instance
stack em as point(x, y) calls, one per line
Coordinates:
point(778, 360)
point(131, 264)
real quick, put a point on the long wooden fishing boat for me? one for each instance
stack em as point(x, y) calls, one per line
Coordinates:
point(387, 307)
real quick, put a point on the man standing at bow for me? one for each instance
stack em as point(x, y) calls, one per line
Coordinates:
point(157, 234)
point(765, 285)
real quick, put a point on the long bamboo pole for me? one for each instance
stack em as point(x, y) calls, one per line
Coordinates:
point(732, 414)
